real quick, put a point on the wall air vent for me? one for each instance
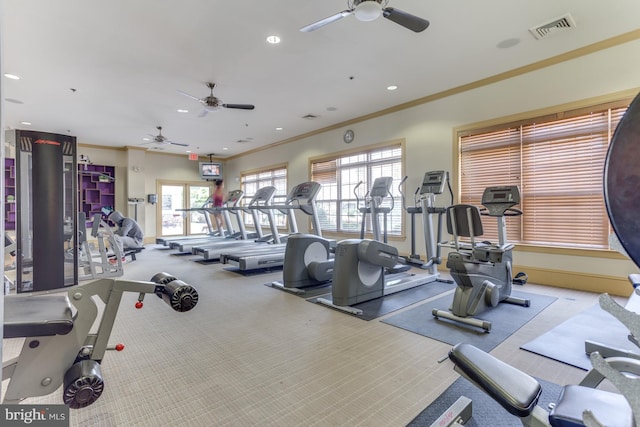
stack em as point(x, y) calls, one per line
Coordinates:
point(563, 23)
point(309, 117)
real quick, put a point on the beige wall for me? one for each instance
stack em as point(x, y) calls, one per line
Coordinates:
point(428, 131)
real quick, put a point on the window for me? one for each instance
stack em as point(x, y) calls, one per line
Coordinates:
point(339, 176)
point(558, 162)
point(275, 176)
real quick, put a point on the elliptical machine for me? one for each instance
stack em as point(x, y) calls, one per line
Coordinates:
point(360, 264)
point(482, 270)
point(373, 208)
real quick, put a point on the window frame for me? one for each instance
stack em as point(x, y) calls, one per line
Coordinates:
point(279, 198)
point(340, 198)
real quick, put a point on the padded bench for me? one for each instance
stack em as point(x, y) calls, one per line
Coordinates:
point(132, 252)
point(37, 316)
point(518, 392)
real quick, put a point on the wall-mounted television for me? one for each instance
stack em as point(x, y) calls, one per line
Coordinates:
point(210, 171)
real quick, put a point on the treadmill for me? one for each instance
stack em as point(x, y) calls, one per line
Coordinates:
point(302, 197)
point(166, 241)
point(260, 202)
point(232, 200)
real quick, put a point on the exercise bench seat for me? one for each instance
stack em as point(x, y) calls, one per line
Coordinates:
point(518, 392)
point(37, 316)
point(132, 252)
point(514, 390)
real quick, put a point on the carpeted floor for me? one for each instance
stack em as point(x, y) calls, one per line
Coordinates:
point(505, 319)
point(248, 355)
point(382, 306)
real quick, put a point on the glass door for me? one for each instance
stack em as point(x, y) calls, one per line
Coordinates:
point(172, 198)
point(199, 222)
point(183, 196)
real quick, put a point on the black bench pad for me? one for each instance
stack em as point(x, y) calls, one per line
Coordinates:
point(514, 390)
point(37, 316)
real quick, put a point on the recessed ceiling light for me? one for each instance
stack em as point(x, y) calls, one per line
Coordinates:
point(26, 123)
point(278, 128)
point(11, 76)
point(225, 148)
point(146, 139)
point(392, 87)
point(182, 111)
point(273, 39)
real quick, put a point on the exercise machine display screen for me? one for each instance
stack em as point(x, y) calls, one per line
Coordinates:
point(433, 182)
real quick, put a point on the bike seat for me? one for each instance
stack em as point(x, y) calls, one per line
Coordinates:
point(37, 316)
point(514, 390)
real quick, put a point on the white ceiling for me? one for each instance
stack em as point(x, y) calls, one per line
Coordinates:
point(108, 72)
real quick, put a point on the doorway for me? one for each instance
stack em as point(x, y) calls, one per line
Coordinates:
point(174, 196)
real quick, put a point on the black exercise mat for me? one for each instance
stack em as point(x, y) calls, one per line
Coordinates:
point(486, 411)
point(309, 292)
point(505, 320)
point(565, 342)
point(380, 306)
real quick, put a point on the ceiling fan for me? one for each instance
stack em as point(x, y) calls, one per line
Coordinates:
point(211, 103)
point(160, 139)
point(369, 10)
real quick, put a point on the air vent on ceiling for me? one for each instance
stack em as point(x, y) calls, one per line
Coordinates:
point(243, 141)
point(309, 117)
point(563, 23)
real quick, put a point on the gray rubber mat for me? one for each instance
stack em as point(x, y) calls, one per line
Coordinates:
point(486, 412)
point(505, 319)
point(308, 292)
point(565, 342)
point(380, 306)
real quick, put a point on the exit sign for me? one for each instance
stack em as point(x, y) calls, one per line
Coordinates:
point(193, 156)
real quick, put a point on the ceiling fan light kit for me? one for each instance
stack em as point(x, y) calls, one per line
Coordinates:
point(370, 10)
point(211, 103)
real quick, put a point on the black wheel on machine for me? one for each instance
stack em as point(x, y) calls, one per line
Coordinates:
point(179, 295)
point(83, 384)
point(163, 278)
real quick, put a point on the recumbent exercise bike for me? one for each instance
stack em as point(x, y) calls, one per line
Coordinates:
point(482, 270)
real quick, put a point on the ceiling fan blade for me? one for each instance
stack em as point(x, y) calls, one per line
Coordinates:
point(190, 96)
point(239, 106)
point(412, 22)
point(178, 143)
point(321, 23)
